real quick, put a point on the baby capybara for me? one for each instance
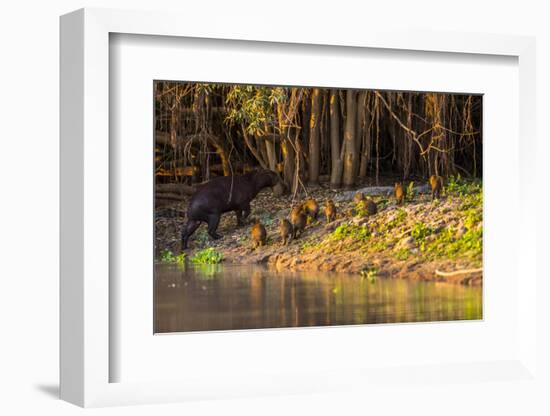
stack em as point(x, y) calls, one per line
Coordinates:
point(371, 207)
point(311, 208)
point(298, 220)
point(258, 234)
point(285, 228)
point(399, 193)
point(436, 183)
point(330, 210)
point(358, 198)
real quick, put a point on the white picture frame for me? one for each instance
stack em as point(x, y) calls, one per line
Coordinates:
point(85, 266)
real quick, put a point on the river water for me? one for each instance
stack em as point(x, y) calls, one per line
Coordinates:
point(225, 297)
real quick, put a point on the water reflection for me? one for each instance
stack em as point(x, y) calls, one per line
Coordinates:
point(197, 298)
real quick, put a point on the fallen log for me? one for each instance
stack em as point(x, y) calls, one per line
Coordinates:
point(379, 191)
point(457, 272)
point(170, 196)
point(174, 188)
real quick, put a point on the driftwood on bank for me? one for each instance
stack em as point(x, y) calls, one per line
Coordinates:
point(172, 192)
point(458, 272)
point(379, 191)
point(175, 188)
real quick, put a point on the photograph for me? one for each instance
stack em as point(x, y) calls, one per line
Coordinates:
point(281, 206)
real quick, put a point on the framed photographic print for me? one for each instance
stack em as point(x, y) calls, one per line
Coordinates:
point(236, 210)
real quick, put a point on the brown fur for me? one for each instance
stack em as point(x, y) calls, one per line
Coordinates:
point(330, 210)
point(286, 230)
point(311, 208)
point(399, 193)
point(259, 235)
point(358, 198)
point(298, 220)
point(436, 183)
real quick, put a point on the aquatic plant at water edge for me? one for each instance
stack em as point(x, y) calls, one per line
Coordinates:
point(207, 256)
point(168, 257)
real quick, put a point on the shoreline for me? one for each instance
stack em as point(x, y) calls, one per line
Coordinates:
point(411, 241)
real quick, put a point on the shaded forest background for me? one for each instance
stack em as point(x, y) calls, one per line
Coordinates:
point(342, 137)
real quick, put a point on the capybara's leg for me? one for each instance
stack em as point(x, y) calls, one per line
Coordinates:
point(239, 215)
point(246, 211)
point(189, 229)
point(213, 222)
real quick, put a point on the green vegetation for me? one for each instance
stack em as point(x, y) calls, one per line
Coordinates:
point(458, 186)
point(361, 209)
point(409, 192)
point(356, 232)
point(402, 254)
point(370, 273)
point(399, 219)
point(168, 257)
point(447, 245)
point(382, 203)
point(420, 231)
point(460, 237)
point(207, 256)
point(308, 244)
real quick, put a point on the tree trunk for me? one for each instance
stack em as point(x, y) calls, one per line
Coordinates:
point(286, 148)
point(314, 141)
point(270, 150)
point(350, 145)
point(253, 149)
point(337, 165)
point(360, 132)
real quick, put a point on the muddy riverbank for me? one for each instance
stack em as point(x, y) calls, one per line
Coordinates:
point(421, 240)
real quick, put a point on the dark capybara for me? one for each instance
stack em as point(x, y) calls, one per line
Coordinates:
point(330, 210)
point(436, 183)
point(358, 198)
point(369, 206)
point(285, 228)
point(399, 193)
point(311, 208)
point(298, 220)
point(224, 194)
point(258, 234)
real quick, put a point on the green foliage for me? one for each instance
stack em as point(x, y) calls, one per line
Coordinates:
point(474, 200)
point(420, 231)
point(370, 273)
point(378, 246)
point(308, 244)
point(456, 185)
point(253, 107)
point(382, 203)
point(446, 245)
point(361, 209)
point(398, 219)
point(402, 254)
point(207, 256)
point(472, 217)
point(409, 192)
point(358, 233)
point(168, 257)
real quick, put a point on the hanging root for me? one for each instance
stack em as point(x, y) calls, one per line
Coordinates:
point(458, 272)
